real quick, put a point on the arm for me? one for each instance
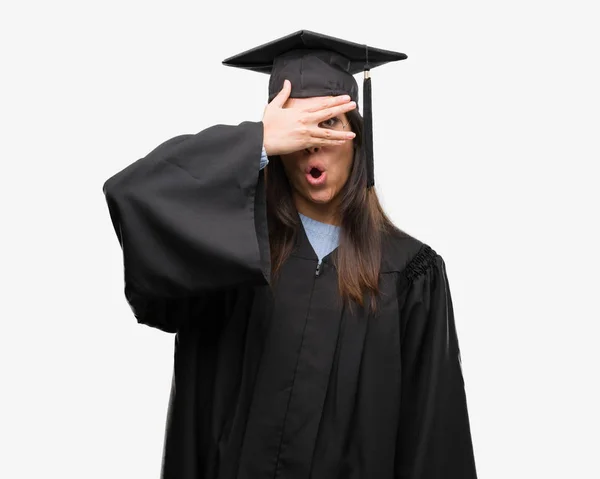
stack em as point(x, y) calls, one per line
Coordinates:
point(191, 220)
point(434, 438)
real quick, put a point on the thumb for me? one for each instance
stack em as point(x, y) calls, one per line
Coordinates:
point(283, 95)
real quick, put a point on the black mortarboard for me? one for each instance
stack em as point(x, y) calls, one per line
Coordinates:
point(319, 65)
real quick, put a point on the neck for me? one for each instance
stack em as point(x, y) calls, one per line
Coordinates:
point(324, 213)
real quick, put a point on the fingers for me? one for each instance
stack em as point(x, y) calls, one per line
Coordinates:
point(283, 95)
point(328, 103)
point(328, 113)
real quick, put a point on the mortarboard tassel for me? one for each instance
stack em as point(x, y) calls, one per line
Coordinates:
point(368, 122)
point(368, 134)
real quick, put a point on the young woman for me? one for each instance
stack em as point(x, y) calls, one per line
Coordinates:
point(314, 339)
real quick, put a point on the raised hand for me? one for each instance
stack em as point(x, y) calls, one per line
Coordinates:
point(292, 129)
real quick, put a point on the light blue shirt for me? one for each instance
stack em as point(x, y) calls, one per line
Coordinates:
point(323, 237)
point(264, 159)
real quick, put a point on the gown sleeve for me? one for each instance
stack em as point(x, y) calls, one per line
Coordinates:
point(191, 221)
point(434, 437)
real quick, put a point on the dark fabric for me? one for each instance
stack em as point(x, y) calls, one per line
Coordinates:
point(280, 379)
point(313, 73)
point(167, 211)
point(263, 58)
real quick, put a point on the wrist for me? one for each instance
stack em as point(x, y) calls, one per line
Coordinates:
point(265, 148)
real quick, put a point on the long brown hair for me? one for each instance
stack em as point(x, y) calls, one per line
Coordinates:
point(363, 224)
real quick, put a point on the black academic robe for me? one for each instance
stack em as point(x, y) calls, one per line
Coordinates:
point(278, 379)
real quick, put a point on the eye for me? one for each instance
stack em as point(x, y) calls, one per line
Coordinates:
point(330, 123)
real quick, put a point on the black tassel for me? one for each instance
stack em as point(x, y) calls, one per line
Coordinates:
point(368, 133)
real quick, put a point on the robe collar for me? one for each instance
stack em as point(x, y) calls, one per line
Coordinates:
point(303, 247)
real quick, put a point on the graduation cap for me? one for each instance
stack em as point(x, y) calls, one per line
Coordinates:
point(319, 65)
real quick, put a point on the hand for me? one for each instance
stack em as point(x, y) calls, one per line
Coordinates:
point(292, 129)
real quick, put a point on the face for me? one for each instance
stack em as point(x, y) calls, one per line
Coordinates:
point(334, 162)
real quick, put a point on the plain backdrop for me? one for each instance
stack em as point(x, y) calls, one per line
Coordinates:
point(486, 148)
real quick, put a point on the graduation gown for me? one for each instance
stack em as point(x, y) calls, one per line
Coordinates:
point(278, 379)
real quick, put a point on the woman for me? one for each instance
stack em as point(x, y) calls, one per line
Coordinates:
point(313, 338)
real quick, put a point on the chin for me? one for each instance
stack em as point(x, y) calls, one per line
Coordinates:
point(321, 197)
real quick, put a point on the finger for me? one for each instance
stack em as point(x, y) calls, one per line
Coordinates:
point(328, 113)
point(328, 103)
point(283, 94)
point(327, 134)
point(325, 142)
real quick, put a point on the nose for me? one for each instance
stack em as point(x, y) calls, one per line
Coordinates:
point(312, 149)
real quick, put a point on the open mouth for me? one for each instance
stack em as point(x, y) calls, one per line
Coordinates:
point(315, 172)
point(315, 175)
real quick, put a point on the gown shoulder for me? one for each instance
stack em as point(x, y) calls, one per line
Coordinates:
point(405, 254)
